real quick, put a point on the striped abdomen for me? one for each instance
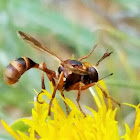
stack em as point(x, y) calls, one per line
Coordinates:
point(16, 68)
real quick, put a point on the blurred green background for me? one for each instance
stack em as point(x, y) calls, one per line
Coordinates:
point(71, 27)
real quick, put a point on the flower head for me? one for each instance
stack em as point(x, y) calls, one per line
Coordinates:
point(133, 134)
point(97, 125)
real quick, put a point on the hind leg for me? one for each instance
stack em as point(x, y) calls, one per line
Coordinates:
point(59, 86)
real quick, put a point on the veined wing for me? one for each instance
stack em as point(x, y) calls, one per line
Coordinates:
point(37, 45)
point(75, 69)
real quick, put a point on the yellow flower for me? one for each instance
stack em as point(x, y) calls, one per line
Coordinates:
point(97, 125)
point(133, 134)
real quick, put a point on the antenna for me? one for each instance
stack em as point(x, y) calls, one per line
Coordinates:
point(106, 76)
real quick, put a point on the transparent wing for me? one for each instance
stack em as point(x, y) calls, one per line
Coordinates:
point(37, 45)
point(76, 70)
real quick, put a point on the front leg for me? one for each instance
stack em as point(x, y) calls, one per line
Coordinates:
point(76, 86)
point(106, 95)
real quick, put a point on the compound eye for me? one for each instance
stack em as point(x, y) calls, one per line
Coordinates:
point(93, 74)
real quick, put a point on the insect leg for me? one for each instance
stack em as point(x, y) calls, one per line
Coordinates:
point(106, 54)
point(78, 99)
point(88, 86)
point(105, 94)
point(43, 87)
point(86, 56)
point(67, 110)
point(103, 91)
point(42, 80)
point(58, 86)
point(50, 74)
point(76, 86)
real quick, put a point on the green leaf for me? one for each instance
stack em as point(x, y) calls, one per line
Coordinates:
point(20, 125)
